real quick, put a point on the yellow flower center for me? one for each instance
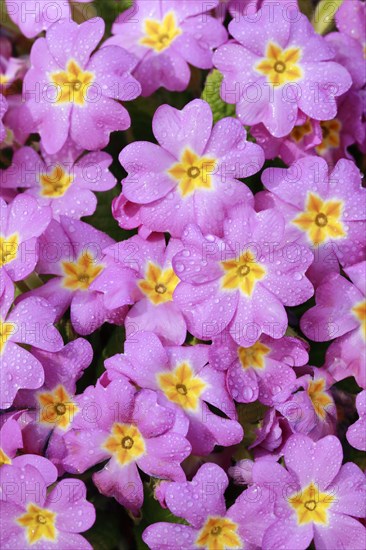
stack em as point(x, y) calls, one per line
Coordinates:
point(125, 443)
point(39, 524)
point(193, 172)
point(6, 330)
point(181, 386)
point(8, 249)
point(319, 398)
point(57, 408)
point(158, 285)
point(311, 505)
point(280, 66)
point(321, 219)
point(242, 274)
point(56, 183)
point(159, 35)
point(299, 132)
point(4, 459)
point(79, 275)
point(72, 84)
point(219, 533)
point(253, 357)
point(359, 310)
point(331, 130)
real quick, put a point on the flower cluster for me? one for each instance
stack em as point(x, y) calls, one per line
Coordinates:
point(182, 276)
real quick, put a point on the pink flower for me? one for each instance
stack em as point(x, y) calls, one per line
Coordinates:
point(72, 94)
point(315, 497)
point(244, 280)
point(192, 175)
point(186, 383)
point(356, 434)
point(130, 429)
point(166, 36)
point(278, 66)
point(33, 518)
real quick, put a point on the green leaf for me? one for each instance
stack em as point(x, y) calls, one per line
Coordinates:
point(211, 94)
point(323, 18)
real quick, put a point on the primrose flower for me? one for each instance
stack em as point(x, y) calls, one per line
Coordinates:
point(356, 434)
point(49, 411)
point(350, 18)
point(11, 440)
point(166, 37)
point(71, 250)
point(33, 518)
point(192, 175)
point(322, 208)
point(340, 313)
point(64, 181)
point(277, 67)
point(35, 16)
point(201, 504)
point(311, 409)
point(129, 429)
point(188, 383)
point(23, 221)
point(29, 322)
point(72, 94)
point(149, 281)
point(271, 437)
point(315, 497)
point(241, 281)
point(262, 371)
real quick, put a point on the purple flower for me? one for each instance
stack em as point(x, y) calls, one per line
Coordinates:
point(271, 437)
point(64, 181)
point(72, 251)
point(166, 36)
point(263, 371)
point(129, 429)
point(322, 208)
point(29, 322)
point(33, 518)
point(350, 19)
point(23, 220)
point(48, 412)
point(72, 94)
point(192, 175)
point(186, 383)
point(278, 66)
point(315, 497)
point(140, 272)
point(356, 434)
point(241, 281)
point(3, 109)
point(201, 504)
point(340, 313)
point(35, 16)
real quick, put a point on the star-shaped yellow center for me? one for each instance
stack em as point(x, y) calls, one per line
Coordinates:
point(56, 183)
point(181, 386)
point(6, 330)
point(8, 248)
point(158, 285)
point(359, 310)
point(319, 398)
point(311, 505)
point(253, 357)
point(72, 84)
point(79, 275)
point(331, 130)
point(57, 408)
point(159, 35)
point(39, 524)
point(219, 533)
point(242, 274)
point(193, 172)
point(280, 66)
point(125, 443)
point(299, 132)
point(321, 219)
